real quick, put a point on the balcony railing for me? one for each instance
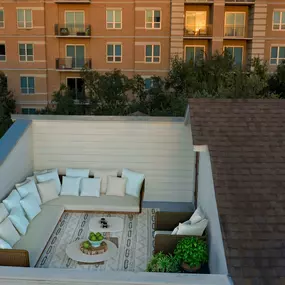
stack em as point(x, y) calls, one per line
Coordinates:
point(70, 63)
point(234, 31)
point(73, 1)
point(198, 31)
point(240, 1)
point(199, 1)
point(77, 30)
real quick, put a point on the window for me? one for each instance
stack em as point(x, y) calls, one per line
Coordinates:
point(27, 85)
point(114, 53)
point(74, 21)
point(2, 20)
point(24, 18)
point(236, 53)
point(277, 55)
point(148, 83)
point(26, 52)
point(194, 53)
point(2, 52)
point(234, 24)
point(152, 53)
point(114, 19)
point(75, 56)
point(279, 20)
point(152, 19)
point(29, 111)
point(76, 86)
point(195, 23)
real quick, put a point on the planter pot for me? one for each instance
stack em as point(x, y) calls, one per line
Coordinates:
point(186, 268)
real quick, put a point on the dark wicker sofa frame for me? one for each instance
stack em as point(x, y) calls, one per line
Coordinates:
point(167, 221)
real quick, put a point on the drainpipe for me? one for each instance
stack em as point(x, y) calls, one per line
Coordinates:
point(46, 55)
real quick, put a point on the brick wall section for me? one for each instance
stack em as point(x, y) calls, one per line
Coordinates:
point(246, 139)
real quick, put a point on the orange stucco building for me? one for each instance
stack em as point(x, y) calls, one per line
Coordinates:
point(45, 43)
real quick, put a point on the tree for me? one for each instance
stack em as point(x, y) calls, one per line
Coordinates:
point(276, 82)
point(107, 93)
point(7, 105)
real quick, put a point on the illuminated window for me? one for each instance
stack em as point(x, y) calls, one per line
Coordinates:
point(196, 22)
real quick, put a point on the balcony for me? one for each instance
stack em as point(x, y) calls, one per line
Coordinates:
point(234, 31)
point(72, 1)
point(198, 31)
point(200, 1)
point(240, 2)
point(77, 31)
point(72, 64)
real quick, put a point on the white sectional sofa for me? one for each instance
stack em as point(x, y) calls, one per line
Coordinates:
point(28, 249)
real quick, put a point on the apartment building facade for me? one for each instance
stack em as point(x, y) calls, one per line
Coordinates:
point(45, 43)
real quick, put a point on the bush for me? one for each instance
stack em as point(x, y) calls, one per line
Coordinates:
point(192, 250)
point(161, 262)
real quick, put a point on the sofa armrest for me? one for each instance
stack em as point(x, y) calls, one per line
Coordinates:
point(167, 243)
point(168, 221)
point(14, 257)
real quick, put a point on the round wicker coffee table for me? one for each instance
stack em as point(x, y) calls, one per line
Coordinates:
point(106, 251)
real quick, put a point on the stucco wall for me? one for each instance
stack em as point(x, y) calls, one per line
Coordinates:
point(207, 200)
point(16, 154)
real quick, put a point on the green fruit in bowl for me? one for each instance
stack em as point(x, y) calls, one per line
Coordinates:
point(101, 238)
point(93, 238)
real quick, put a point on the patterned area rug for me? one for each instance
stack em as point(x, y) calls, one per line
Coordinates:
point(136, 242)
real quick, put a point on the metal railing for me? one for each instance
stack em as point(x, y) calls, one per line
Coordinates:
point(234, 31)
point(240, 1)
point(73, 1)
point(78, 30)
point(70, 63)
point(198, 31)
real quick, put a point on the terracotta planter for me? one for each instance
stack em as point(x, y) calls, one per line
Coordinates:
point(186, 268)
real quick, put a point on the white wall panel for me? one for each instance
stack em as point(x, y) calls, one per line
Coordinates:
point(161, 150)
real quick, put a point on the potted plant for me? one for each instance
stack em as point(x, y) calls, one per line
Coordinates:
point(192, 252)
point(161, 262)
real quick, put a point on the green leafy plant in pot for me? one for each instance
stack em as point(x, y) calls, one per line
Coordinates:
point(192, 252)
point(161, 262)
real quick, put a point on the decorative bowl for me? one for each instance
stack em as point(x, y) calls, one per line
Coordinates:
point(95, 243)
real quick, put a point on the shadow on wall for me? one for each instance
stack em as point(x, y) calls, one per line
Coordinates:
point(16, 155)
point(207, 201)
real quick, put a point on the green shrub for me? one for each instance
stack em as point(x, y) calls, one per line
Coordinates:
point(192, 251)
point(161, 262)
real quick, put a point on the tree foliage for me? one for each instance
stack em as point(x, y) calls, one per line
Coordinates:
point(7, 105)
point(217, 76)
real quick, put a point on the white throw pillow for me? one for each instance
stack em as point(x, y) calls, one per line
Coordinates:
point(103, 174)
point(197, 216)
point(90, 187)
point(31, 206)
point(3, 212)
point(4, 244)
point(116, 186)
point(29, 186)
point(47, 190)
point(70, 186)
point(192, 230)
point(13, 200)
point(175, 231)
point(19, 221)
point(76, 172)
point(8, 232)
point(134, 182)
point(48, 175)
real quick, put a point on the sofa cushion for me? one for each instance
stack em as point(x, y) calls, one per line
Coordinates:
point(47, 190)
point(31, 206)
point(77, 172)
point(104, 203)
point(27, 187)
point(38, 235)
point(48, 175)
point(116, 186)
point(3, 212)
point(70, 186)
point(103, 174)
point(8, 232)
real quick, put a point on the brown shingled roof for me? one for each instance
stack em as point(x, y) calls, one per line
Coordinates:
point(246, 140)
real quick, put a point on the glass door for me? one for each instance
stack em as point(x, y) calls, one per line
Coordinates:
point(74, 21)
point(76, 52)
